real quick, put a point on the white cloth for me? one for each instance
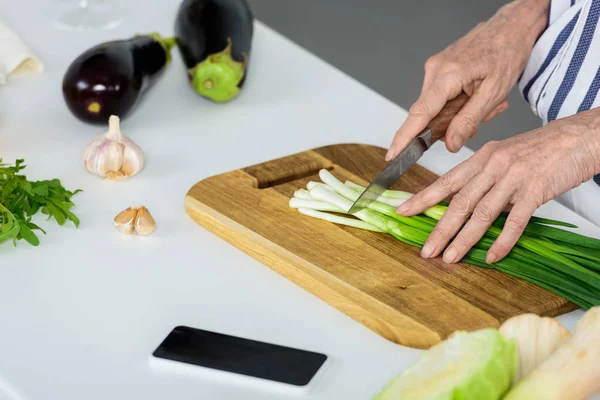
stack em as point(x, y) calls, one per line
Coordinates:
point(16, 59)
point(562, 78)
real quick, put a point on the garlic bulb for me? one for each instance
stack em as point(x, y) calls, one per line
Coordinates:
point(135, 218)
point(112, 155)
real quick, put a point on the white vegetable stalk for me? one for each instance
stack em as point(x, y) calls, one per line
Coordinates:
point(354, 186)
point(329, 196)
point(382, 204)
point(338, 186)
point(572, 371)
point(536, 339)
point(392, 202)
point(311, 185)
point(390, 194)
point(352, 195)
point(302, 194)
point(296, 202)
point(356, 223)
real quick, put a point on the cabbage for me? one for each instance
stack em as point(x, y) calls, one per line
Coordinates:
point(478, 365)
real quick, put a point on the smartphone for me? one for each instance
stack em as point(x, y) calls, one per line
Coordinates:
point(241, 356)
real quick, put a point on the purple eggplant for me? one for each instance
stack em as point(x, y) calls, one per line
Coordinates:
point(214, 38)
point(110, 78)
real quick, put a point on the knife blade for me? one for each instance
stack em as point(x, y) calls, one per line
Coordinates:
point(394, 170)
point(410, 155)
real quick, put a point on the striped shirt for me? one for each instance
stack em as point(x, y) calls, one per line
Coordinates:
point(562, 76)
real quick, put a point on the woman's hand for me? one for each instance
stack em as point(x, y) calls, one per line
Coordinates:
point(485, 64)
point(525, 171)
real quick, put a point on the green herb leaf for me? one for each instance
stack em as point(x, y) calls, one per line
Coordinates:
point(33, 226)
point(57, 214)
point(64, 207)
point(42, 190)
point(11, 233)
point(20, 199)
point(28, 235)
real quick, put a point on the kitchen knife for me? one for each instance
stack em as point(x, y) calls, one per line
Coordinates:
point(411, 154)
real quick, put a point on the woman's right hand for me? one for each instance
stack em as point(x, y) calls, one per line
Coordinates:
point(485, 64)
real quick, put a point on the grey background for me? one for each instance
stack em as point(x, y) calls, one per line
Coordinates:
point(384, 43)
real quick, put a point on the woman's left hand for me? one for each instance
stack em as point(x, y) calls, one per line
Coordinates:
point(524, 171)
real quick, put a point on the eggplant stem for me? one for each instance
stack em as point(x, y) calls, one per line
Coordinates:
point(166, 44)
point(218, 76)
point(170, 42)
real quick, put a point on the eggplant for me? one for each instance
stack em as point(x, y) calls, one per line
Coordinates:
point(214, 38)
point(110, 78)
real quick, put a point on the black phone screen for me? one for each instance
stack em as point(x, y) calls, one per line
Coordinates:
point(241, 356)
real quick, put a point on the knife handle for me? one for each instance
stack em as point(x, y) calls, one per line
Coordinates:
point(439, 124)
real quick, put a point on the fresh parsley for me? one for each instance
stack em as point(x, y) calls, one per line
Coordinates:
point(21, 199)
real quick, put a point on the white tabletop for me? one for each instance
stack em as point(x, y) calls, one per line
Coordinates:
point(82, 312)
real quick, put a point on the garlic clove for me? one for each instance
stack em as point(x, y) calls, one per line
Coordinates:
point(125, 220)
point(110, 159)
point(112, 155)
point(115, 158)
point(133, 159)
point(144, 223)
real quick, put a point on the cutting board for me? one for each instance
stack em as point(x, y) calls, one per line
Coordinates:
point(373, 278)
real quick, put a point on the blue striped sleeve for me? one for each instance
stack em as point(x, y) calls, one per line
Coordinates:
point(577, 60)
point(591, 94)
point(558, 44)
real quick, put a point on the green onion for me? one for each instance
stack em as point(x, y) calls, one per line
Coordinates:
point(557, 260)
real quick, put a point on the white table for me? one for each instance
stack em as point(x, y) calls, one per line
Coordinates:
point(82, 312)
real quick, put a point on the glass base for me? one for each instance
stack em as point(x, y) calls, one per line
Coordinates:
point(85, 14)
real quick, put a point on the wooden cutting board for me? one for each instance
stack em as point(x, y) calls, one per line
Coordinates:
point(372, 277)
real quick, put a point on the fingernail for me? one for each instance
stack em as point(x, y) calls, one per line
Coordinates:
point(450, 256)
point(427, 250)
point(403, 208)
point(390, 153)
point(457, 142)
point(491, 258)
